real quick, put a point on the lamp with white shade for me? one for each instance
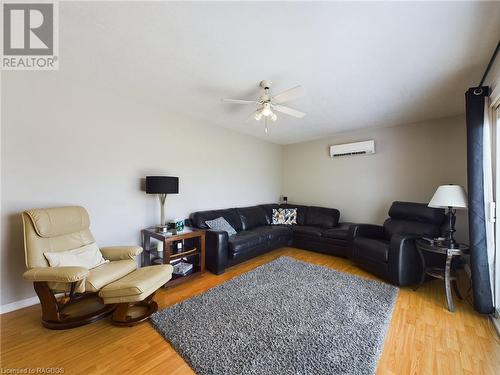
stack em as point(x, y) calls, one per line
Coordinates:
point(451, 197)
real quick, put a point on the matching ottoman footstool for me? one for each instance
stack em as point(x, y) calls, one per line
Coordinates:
point(134, 294)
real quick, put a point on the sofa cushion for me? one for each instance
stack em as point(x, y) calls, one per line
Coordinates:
point(301, 212)
point(274, 232)
point(198, 219)
point(246, 240)
point(322, 217)
point(374, 249)
point(307, 230)
point(252, 217)
point(107, 273)
point(137, 285)
point(340, 232)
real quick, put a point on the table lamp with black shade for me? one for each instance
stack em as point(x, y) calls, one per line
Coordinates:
point(162, 185)
point(451, 197)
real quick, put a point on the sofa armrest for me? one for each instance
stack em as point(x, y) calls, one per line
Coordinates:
point(216, 250)
point(366, 230)
point(56, 274)
point(405, 265)
point(120, 252)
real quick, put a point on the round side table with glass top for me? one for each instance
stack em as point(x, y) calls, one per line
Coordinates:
point(446, 273)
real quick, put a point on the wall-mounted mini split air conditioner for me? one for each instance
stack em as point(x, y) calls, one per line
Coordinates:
point(356, 148)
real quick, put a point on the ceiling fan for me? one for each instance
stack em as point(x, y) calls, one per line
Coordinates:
point(267, 104)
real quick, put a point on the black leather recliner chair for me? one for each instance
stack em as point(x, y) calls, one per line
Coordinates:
point(389, 250)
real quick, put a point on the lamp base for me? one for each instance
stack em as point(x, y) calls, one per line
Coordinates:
point(162, 228)
point(450, 242)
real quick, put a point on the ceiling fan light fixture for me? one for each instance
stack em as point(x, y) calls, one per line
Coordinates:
point(266, 109)
point(273, 116)
point(258, 115)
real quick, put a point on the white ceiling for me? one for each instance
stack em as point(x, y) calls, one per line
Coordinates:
point(361, 64)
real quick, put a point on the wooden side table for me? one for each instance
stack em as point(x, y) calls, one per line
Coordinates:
point(193, 241)
point(446, 273)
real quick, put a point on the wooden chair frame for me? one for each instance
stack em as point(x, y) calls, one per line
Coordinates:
point(54, 315)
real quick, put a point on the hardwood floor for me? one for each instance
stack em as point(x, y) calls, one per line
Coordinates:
point(423, 338)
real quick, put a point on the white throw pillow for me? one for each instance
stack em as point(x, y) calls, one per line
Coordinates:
point(88, 256)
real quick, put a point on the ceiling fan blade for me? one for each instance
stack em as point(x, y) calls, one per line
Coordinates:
point(288, 111)
point(290, 94)
point(239, 101)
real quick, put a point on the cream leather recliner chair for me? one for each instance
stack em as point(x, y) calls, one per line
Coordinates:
point(65, 228)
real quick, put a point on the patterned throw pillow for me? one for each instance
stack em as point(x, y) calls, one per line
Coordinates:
point(290, 216)
point(278, 216)
point(286, 216)
point(221, 224)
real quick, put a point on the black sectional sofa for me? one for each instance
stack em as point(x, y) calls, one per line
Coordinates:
point(317, 229)
point(387, 251)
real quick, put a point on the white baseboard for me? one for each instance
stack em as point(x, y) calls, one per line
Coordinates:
point(19, 304)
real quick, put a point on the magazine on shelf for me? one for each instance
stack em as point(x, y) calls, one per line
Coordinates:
point(182, 268)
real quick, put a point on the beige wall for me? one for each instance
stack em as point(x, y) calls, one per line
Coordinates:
point(68, 143)
point(71, 142)
point(410, 162)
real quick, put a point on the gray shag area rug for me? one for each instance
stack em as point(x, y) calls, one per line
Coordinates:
point(285, 317)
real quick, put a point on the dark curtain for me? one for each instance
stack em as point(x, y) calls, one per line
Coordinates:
point(481, 286)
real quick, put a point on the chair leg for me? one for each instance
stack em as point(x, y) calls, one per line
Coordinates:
point(50, 306)
point(122, 315)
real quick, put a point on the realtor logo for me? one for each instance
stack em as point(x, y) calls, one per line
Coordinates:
point(29, 36)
